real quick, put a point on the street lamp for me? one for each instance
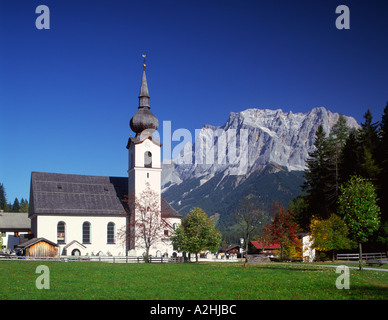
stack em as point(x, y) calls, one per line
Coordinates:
point(241, 248)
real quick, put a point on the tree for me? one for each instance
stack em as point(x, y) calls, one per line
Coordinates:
point(357, 204)
point(382, 159)
point(249, 217)
point(197, 233)
point(3, 199)
point(24, 206)
point(316, 175)
point(350, 157)
point(282, 230)
point(146, 223)
point(330, 234)
point(368, 141)
point(336, 142)
point(16, 206)
point(300, 209)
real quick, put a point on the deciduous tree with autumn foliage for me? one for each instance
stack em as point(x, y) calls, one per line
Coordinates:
point(282, 230)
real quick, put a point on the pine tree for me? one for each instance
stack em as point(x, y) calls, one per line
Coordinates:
point(16, 206)
point(336, 142)
point(382, 159)
point(368, 147)
point(350, 162)
point(24, 206)
point(316, 175)
point(3, 199)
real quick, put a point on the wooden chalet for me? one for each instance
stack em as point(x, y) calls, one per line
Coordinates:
point(259, 247)
point(39, 247)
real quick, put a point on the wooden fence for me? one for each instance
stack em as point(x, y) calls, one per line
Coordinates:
point(110, 259)
point(365, 256)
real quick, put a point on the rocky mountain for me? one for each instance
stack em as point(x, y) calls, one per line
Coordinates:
point(257, 151)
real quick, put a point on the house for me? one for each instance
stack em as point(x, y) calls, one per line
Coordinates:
point(89, 215)
point(308, 252)
point(38, 247)
point(260, 247)
point(233, 249)
point(14, 227)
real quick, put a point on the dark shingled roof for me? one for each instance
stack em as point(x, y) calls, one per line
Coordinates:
point(33, 241)
point(71, 194)
point(54, 193)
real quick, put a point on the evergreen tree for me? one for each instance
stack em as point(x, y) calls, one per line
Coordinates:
point(336, 142)
point(3, 199)
point(368, 146)
point(316, 176)
point(24, 206)
point(299, 206)
point(382, 159)
point(16, 206)
point(350, 162)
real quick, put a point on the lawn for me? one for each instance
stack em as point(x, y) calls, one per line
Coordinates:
point(210, 281)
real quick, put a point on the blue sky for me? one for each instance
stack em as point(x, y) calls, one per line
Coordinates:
point(67, 93)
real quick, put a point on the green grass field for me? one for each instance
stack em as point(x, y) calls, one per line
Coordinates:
point(210, 281)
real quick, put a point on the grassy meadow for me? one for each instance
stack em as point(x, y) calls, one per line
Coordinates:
point(189, 281)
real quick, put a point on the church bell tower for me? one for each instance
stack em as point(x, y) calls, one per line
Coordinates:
point(144, 165)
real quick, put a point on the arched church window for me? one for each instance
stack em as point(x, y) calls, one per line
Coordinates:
point(86, 232)
point(111, 233)
point(148, 159)
point(61, 226)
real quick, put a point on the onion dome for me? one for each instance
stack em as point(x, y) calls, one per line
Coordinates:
point(144, 120)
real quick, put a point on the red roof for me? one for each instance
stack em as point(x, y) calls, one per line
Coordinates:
point(263, 245)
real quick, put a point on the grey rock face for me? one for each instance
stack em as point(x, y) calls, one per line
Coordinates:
point(250, 140)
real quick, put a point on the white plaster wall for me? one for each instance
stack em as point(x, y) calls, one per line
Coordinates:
point(47, 228)
point(9, 235)
point(308, 251)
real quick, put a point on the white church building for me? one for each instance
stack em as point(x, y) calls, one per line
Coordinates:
point(88, 215)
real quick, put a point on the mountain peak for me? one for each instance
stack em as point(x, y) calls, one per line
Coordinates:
point(272, 136)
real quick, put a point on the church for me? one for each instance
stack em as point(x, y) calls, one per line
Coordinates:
point(93, 215)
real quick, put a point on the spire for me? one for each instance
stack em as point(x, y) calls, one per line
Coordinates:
point(144, 120)
point(144, 96)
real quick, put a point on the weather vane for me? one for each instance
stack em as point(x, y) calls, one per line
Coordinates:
point(144, 64)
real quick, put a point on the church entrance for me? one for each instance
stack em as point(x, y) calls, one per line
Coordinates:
point(76, 252)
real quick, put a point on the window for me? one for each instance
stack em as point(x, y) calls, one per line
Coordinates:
point(166, 233)
point(61, 232)
point(110, 238)
point(148, 175)
point(148, 159)
point(86, 232)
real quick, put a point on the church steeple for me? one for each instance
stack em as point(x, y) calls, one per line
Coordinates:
point(144, 96)
point(144, 120)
